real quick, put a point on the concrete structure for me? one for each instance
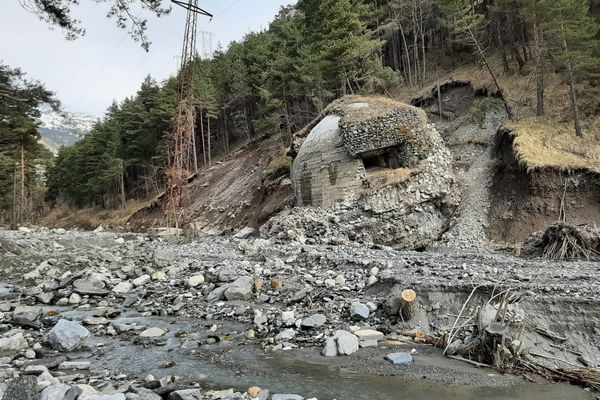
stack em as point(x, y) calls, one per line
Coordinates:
point(369, 169)
point(360, 147)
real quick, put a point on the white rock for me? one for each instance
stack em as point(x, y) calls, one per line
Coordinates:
point(152, 333)
point(123, 288)
point(330, 349)
point(159, 276)
point(14, 343)
point(141, 281)
point(74, 298)
point(347, 343)
point(196, 280)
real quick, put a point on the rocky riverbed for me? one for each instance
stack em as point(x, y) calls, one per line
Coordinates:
point(105, 316)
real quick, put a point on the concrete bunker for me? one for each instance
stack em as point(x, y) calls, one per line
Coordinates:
point(369, 169)
point(362, 143)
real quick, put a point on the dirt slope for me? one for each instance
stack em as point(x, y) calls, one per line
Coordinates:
point(232, 194)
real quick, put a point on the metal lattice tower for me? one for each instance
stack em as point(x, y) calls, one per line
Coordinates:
point(207, 45)
point(182, 139)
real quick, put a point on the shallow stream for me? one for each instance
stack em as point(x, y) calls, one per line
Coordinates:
point(230, 365)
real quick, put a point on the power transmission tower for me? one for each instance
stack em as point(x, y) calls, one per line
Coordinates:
point(183, 137)
point(207, 45)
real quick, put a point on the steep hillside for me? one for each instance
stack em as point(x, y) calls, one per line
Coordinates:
point(243, 189)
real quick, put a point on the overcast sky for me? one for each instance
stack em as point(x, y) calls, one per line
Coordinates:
point(106, 64)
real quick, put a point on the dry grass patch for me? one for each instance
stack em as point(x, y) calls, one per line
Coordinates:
point(380, 178)
point(378, 106)
point(539, 144)
point(91, 218)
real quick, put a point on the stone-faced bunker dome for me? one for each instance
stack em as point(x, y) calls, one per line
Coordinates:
point(370, 170)
point(361, 144)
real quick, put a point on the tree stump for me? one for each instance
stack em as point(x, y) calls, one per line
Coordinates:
point(407, 304)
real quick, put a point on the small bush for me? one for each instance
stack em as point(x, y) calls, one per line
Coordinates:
point(278, 168)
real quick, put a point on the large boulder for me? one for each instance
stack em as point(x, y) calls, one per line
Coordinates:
point(240, 289)
point(67, 335)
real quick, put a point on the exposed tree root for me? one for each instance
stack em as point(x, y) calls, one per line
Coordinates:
point(562, 241)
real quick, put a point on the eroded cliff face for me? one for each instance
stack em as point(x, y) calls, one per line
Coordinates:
point(370, 170)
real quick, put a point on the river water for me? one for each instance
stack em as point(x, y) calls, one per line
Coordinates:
point(287, 372)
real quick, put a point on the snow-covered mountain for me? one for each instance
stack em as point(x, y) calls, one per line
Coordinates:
point(64, 129)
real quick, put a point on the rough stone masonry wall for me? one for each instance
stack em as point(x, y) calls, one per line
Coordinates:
point(405, 127)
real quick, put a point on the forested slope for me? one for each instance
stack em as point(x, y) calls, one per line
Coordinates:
point(539, 57)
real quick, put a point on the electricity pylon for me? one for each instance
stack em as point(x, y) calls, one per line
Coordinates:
point(183, 137)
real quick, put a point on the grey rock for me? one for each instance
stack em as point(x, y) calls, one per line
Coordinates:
point(45, 297)
point(359, 311)
point(89, 288)
point(399, 358)
point(187, 394)
point(6, 288)
point(245, 233)
point(228, 275)
point(454, 347)
point(314, 321)
point(347, 343)
point(26, 314)
point(67, 335)
point(75, 365)
point(286, 397)
point(496, 329)
point(217, 294)
point(146, 394)
point(330, 349)
point(14, 343)
point(142, 280)
point(48, 362)
point(240, 289)
point(55, 392)
point(22, 388)
point(586, 361)
point(286, 334)
point(117, 396)
point(131, 299)
point(80, 392)
point(368, 343)
point(35, 370)
point(123, 288)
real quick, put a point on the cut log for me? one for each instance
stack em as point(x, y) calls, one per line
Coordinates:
point(407, 304)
